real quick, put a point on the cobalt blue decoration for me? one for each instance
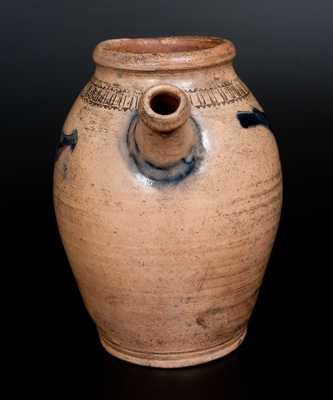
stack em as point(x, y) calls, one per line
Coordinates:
point(66, 140)
point(248, 119)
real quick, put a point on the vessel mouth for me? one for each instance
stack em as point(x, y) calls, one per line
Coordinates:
point(164, 53)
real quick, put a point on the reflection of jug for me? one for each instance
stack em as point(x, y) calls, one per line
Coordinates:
point(167, 190)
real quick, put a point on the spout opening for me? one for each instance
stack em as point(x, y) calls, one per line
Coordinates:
point(165, 103)
point(164, 108)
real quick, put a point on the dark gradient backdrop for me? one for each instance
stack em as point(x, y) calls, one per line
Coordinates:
point(285, 56)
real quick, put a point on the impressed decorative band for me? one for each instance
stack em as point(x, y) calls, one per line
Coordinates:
point(111, 96)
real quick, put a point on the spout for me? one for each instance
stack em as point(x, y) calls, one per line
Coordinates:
point(164, 108)
point(165, 142)
point(163, 134)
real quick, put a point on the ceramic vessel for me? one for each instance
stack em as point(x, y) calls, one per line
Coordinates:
point(167, 191)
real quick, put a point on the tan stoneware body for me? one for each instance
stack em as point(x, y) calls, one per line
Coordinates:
point(168, 191)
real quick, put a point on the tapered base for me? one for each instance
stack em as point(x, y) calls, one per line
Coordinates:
point(173, 360)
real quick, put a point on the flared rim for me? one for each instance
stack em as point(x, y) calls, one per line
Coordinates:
point(164, 53)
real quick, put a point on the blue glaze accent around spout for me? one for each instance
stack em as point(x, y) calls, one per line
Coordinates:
point(171, 174)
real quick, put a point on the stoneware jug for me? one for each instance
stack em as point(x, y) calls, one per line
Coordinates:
point(168, 191)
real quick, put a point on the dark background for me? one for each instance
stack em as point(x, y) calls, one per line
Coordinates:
point(285, 56)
